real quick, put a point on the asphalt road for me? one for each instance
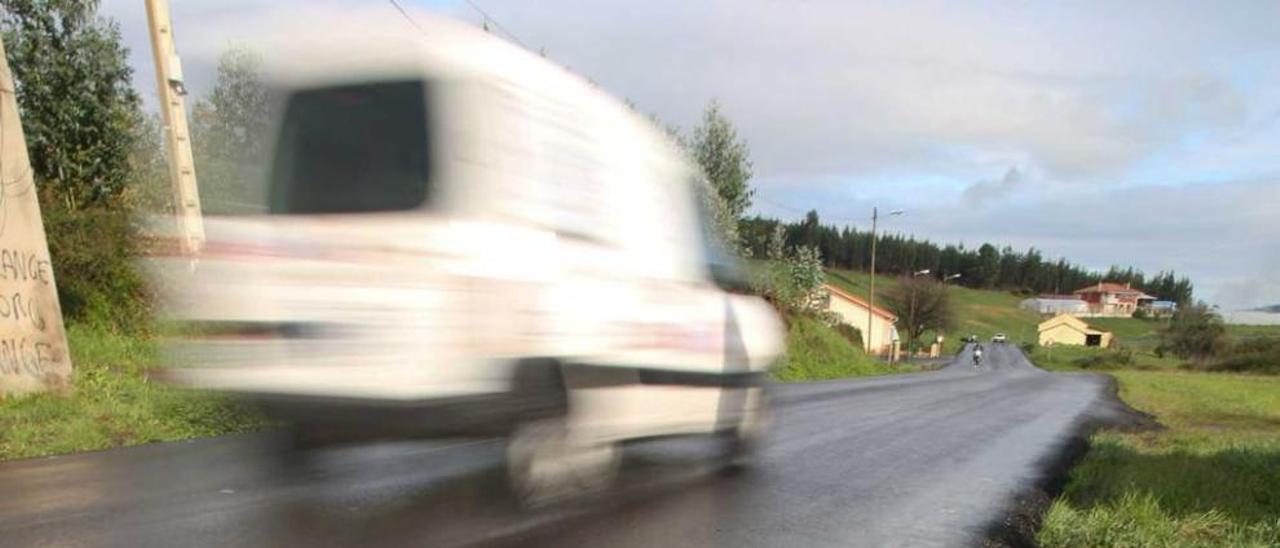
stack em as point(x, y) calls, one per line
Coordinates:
point(930, 459)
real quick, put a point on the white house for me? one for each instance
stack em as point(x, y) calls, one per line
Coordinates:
point(883, 336)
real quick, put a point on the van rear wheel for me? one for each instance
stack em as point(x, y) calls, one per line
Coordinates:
point(546, 464)
point(742, 442)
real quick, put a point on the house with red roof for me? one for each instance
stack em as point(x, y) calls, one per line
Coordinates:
point(1112, 299)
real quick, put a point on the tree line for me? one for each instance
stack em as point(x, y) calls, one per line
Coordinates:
point(983, 267)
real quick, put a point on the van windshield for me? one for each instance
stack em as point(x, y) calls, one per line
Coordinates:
point(352, 149)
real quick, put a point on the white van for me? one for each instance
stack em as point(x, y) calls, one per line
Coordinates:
point(464, 239)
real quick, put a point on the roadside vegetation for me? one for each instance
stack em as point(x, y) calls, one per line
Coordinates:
point(816, 352)
point(98, 163)
point(1209, 477)
point(113, 403)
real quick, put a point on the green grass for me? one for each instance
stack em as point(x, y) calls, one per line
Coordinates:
point(1076, 358)
point(978, 312)
point(1245, 331)
point(1134, 333)
point(816, 352)
point(113, 403)
point(1211, 479)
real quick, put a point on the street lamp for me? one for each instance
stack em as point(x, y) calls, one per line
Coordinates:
point(871, 289)
point(946, 279)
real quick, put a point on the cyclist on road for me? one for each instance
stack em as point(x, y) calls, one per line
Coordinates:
point(977, 355)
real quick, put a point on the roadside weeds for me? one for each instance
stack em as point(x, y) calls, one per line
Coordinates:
point(1204, 475)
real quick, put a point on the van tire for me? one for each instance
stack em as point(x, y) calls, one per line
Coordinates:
point(743, 440)
point(545, 463)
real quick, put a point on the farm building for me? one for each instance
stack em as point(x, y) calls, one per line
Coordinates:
point(1056, 304)
point(853, 311)
point(1068, 329)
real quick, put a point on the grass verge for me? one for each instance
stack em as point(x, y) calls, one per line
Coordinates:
point(1077, 358)
point(1210, 479)
point(113, 403)
point(816, 352)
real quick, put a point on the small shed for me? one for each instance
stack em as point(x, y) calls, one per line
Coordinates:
point(1068, 329)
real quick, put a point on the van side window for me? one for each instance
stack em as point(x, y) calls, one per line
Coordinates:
point(353, 149)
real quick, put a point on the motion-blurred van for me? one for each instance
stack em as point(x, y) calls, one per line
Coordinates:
point(464, 239)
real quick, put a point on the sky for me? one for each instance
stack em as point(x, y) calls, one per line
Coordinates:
point(1129, 133)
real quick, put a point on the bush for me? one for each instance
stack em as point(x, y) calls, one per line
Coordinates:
point(92, 252)
point(1106, 360)
point(816, 352)
point(850, 333)
point(1195, 332)
point(1254, 355)
point(791, 279)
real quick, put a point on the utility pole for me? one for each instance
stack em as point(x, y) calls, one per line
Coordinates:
point(170, 92)
point(871, 289)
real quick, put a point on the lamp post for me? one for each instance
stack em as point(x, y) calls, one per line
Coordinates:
point(946, 279)
point(871, 288)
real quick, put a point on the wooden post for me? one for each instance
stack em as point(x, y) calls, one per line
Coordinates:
point(170, 91)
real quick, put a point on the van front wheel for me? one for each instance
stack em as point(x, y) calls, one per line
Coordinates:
point(546, 464)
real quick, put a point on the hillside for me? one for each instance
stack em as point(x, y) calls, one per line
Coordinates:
point(987, 312)
point(978, 312)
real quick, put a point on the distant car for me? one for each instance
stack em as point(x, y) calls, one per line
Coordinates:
point(998, 338)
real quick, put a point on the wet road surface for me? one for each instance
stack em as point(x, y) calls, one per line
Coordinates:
point(927, 459)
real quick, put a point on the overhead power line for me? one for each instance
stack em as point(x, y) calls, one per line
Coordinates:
point(406, 15)
point(796, 211)
point(487, 19)
point(496, 24)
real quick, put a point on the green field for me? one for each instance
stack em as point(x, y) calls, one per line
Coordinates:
point(1246, 331)
point(1210, 479)
point(113, 404)
point(1076, 358)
